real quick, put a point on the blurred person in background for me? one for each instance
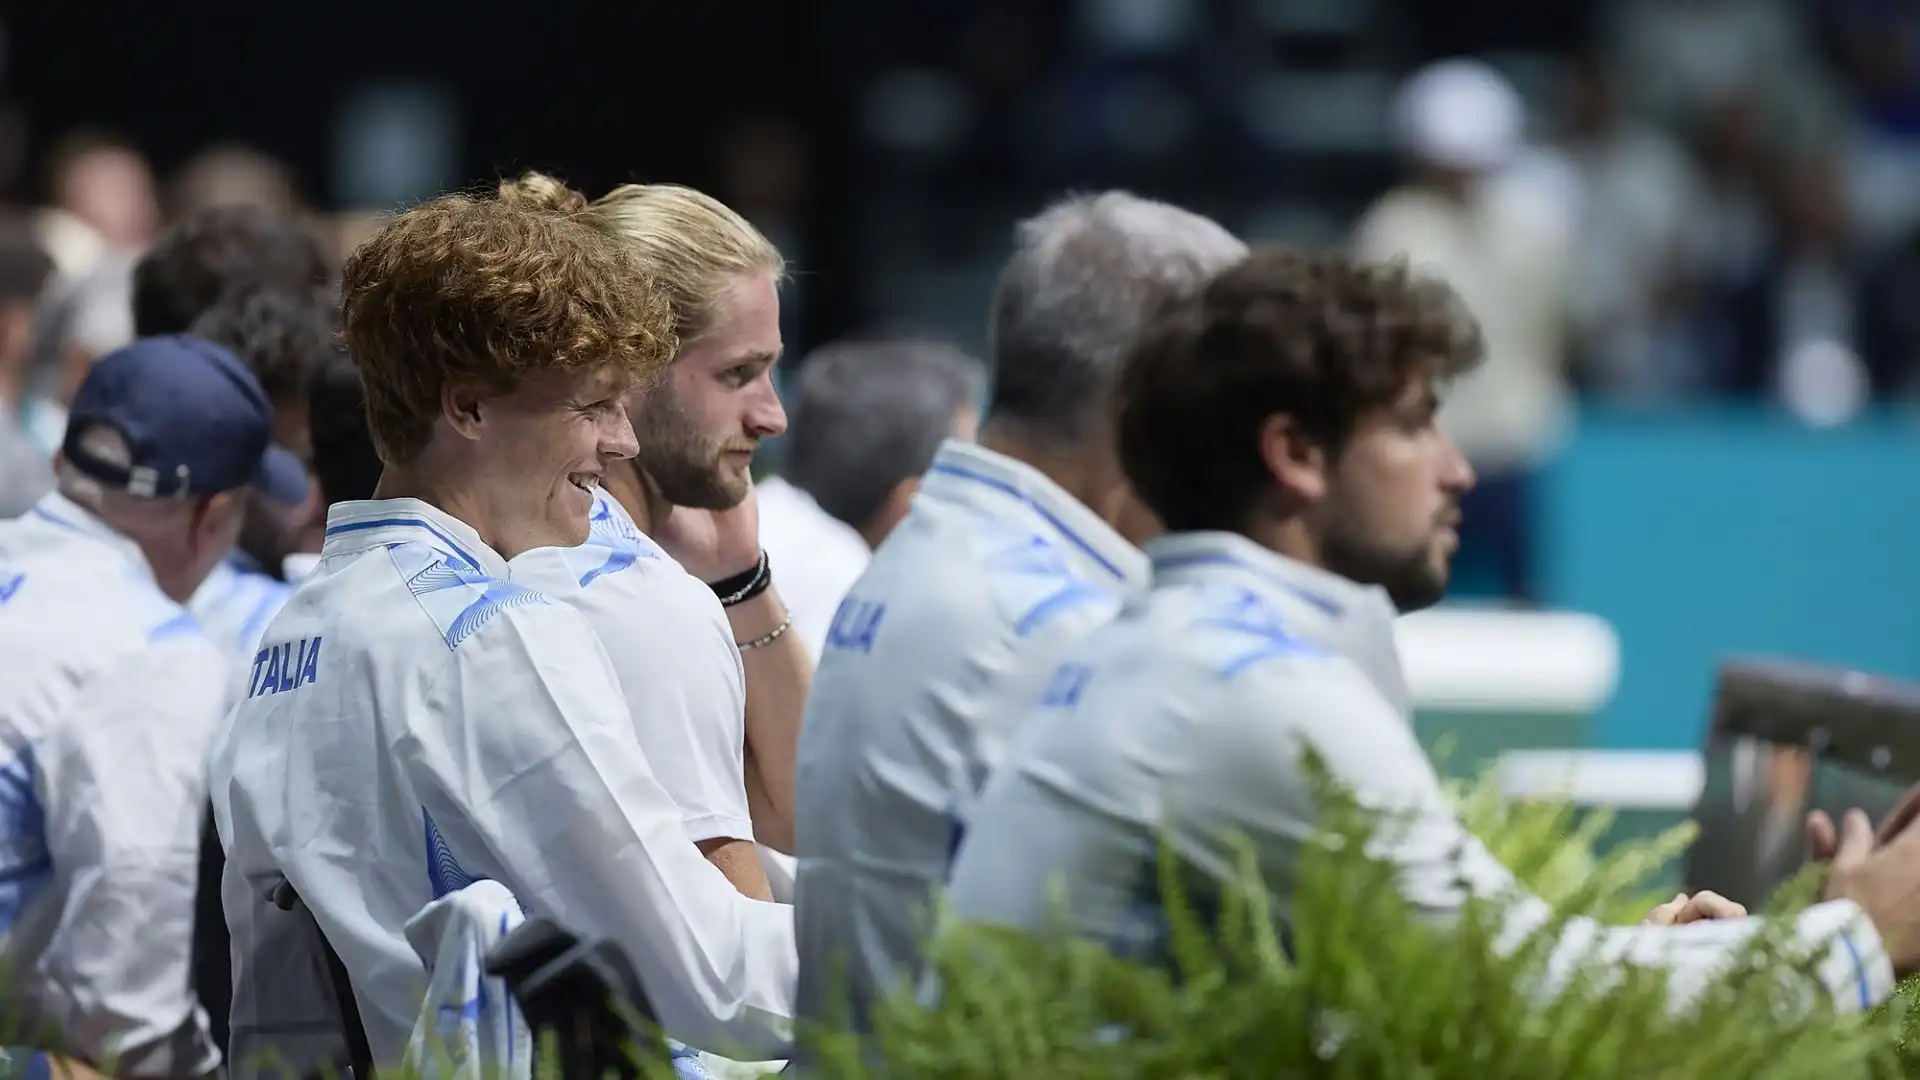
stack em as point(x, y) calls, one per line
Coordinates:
point(268, 272)
point(113, 693)
point(232, 174)
point(1739, 159)
point(345, 465)
point(103, 184)
point(416, 721)
point(674, 579)
point(81, 321)
point(202, 258)
point(1013, 549)
point(866, 418)
point(1890, 321)
point(1632, 284)
point(1876, 47)
point(1789, 329)
point(283, 337)
point(286, 338)
point(26, 471)
point(1460, 123)
point(1676, 59)
point(1283, 425)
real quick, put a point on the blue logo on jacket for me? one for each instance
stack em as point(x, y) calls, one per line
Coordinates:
point(459, 599)
point(289, 665)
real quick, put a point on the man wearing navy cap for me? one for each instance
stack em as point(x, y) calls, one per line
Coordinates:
point(111, 694)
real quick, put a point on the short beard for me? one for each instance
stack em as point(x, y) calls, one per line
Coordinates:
point(683, 465)
point(1408, 576)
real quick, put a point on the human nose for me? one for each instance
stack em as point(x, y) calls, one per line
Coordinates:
point(1456, 472)
point(767, 417)
point(617, 439)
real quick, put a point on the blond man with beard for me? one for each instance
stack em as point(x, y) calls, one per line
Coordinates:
point(673, 578)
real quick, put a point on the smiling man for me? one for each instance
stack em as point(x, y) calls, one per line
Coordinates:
point(673, 579)
point(419, 721)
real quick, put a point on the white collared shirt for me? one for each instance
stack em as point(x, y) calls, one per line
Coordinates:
point(109, 696)
point(1187, 714)
point(935, 654)
point(815, 557)
point(415, 722)
point(673, 651)
point(235, 604)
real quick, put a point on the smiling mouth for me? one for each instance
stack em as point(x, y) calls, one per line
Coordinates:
point(586, 482)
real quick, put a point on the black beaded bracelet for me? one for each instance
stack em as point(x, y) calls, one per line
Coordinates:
point(744, 586)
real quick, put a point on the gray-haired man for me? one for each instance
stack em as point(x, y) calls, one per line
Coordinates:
point(1013, 550)
point(864, 419)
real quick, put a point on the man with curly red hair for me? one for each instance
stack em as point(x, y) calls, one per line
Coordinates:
point(414, 721)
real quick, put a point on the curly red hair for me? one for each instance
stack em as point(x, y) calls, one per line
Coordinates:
point(492, 290)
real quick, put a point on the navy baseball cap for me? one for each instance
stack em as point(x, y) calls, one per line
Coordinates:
point(177, 416)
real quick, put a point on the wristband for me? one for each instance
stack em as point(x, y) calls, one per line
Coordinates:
point(744, 586)
point(769, 637)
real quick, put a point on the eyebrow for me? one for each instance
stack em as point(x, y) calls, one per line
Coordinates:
point(758, 357)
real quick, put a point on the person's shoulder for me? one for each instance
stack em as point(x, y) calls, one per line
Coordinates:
point(561, 572)
point(262, 585)
point(610, 526)
point(168, 664)
point(1034, 582)
point(523, 646)
point(632, 582)
point(119, 610)
point(234, 604)
point(963, 599)
point(1245, 641)
point(984, 571)
point(1269, 682)
point(461, 602)
point(911, 594)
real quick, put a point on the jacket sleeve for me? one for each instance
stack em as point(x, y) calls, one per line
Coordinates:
point(1250, 779)
point(529, 771)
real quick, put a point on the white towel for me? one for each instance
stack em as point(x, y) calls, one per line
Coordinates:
point(469, 1027)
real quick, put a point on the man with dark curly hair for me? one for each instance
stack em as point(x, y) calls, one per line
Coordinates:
point(253, 281)
point(414, 722)
point(1281, 423)
point(211, 254)
point(282, 337)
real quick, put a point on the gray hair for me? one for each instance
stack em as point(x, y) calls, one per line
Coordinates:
point(1085, 274)
point(863, 416)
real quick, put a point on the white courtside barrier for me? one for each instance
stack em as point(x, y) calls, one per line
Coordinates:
point(1522, 661)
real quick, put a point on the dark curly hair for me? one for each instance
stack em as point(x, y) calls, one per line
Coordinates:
point(492, 289)
point(1323, 338)
point(284, 337)
point(220, 252)
point(344, 461)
